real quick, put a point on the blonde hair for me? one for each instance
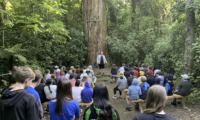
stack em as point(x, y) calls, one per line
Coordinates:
point(24, 73)
point(156, 99)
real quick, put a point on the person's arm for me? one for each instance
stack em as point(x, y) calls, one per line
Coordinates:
point(32, 111)
point(140, 92)
point(105, 59)
point(117, 83)
point(98, 61)
point(167, 87)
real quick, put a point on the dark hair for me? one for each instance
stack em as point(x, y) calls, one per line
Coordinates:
point(126, 69)
point(84, 79)
point(101, 100)
point(42, 80)
point(135, 68)
point(114, 66)
point(130, 65)
point(157, 67)
point(53, 76)
point(159, 73)
point(65, 71)
point(38, 75)
point(48, 83)
point(123, 64)
point(169, 77)
point(136, 65)
point(63, 93)
point(167, 71)
point(77, 66)
point(81, 71)
point(147, 73)
point(84, 67)
point(47, 70)
point(150, 67)
point(71, 76)
point(77, 83)
point(143, 65)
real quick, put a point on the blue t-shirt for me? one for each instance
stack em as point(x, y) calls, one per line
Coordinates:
point(69, 109)
point(33, 92)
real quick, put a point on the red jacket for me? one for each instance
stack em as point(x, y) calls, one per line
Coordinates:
point(135, 73)
point(150, 71)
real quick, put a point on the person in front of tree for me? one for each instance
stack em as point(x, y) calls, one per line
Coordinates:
point(150, 70)
point(50, 90)
point(101, 61)
point(159, 76)
point(76, 92)
point(126, 73)
point(167, 73)
point(101, 109)
point(155, 103)
point(169, 87)
point(136, 74)
point(157, 70)
point(143, 68)
point(16, 103)
point(64, 108)
point(184, 88)
point(122, 68)
point(40, 90)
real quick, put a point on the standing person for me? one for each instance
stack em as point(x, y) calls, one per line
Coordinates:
point(184, 88)
point(120, 85)
point(150, 70)
point(130, 67)
point(133, 93)
point(55, 68)
point(122, 68)
point(40, 90)
point(60, 77)
point(76, 92)
point(57, 73)
point(86, 93)
point(50, 90)
point(64, 108)
point(113, 73)
point(143, 68)
point(101, 101)
point(101, 60)
point(77, 69)
point(155, 103)
point(135, 72)
point(16, 103)
point(150, 79)
point(130, 79)
point(48, 75)
point(157, 70)
point(144, 88)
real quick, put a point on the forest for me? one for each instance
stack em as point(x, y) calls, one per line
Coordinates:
point(44, 33)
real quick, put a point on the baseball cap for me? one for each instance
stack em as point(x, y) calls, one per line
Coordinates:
point(185, 76)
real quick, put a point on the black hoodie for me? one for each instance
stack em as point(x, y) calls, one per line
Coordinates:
point(153, 116)
point(18, 105)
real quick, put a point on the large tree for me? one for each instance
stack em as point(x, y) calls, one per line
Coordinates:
point(95, 29)
point(189, 38)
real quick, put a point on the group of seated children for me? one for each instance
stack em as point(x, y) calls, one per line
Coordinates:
point(81, 85)
point(139, 80)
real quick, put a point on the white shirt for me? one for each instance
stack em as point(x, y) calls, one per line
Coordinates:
point(67, 76)
point(48, 94)
point(121, 69)
point(48, 76)
point(76, 92)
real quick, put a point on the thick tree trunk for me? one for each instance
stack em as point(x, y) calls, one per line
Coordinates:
point(189, 37)
point(95, 29)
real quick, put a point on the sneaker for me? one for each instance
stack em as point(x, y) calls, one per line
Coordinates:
point(172, 103)
point(128, 109)
point(114, 97)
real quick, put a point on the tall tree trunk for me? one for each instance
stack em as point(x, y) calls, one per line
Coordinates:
point(189, 37)
point(95, 29)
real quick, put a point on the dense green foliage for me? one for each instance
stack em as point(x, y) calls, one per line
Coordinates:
point(41, 34)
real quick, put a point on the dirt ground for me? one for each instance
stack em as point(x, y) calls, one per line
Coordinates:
point(192, 113)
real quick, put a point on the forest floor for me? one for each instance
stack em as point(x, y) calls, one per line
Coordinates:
point(192, 113)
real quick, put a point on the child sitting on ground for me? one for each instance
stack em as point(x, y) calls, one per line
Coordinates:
point(169, 87)
point(113, 73)
point(133, 93)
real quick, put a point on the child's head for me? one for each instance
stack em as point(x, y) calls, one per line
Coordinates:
point(81, 71)
point(134, 68)
point(169, 78)
point(84, 67)
point(47, 71)
point(53, 76)
point(143, 65)
point(126, 69)
point(77, 66)
point(130, 65)
point(143, 78)
point(158, 73)
point(149, 67)
point(84, 79)
point(71, 76)
point(72, 67)
point(123, 65)
point(58, 71)
point(38, 77)
point(156, 99)
point(77, 83)
point(62, 74)
point(114, 65)
point(157, 67)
